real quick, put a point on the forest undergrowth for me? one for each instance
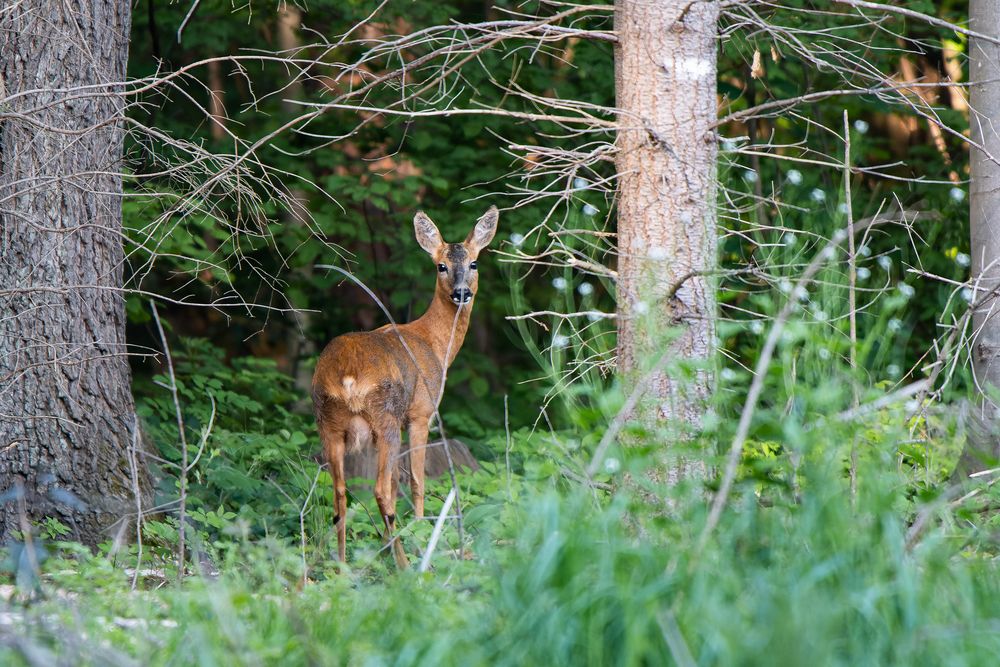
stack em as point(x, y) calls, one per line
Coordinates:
point(556, 566)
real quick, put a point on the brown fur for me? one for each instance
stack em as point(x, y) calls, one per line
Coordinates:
point(369, 385)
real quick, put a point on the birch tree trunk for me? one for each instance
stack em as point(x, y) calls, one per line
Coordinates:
point(66, 412)
point(665, 83)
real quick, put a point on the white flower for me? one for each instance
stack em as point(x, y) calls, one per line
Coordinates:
point(892, 370)
point(885, 262)
point(957, 194)
point(864, 251)
point(749, 175)
point(794, 176)
point(829, 252)
point(581, 183)
point(612, 465)
point(560, 341)
point(559, 282)
point(962, 259)
point(817, 195)
point(824, 353)
point(590, 209)
point(585, 289)
point(640, 307)
point(861, 126)
point(785, 285)
point(864, 273)
point(906, 290)
point(911, 405)
point(842, 207)
point(801, 293)
point(517, 239)
point(789, 239)
point(819, 314)
point(728, 374)
point(756, 326)
point(895, 324)
point(967, 294)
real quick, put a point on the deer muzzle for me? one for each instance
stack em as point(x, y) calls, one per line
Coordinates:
point(461, 295)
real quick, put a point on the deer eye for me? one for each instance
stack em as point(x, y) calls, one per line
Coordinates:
point(472, 267)
point(442, 268)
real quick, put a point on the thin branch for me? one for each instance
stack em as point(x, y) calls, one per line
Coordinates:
point(172, 387)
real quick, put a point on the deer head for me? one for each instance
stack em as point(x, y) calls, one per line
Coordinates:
point(457, 278)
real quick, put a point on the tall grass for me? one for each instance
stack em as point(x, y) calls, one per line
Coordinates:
point(820, 580)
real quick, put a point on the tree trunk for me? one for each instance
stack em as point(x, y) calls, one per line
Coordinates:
point(301, 347)
point(67, 419)
point(665, 72)
point(982, 449)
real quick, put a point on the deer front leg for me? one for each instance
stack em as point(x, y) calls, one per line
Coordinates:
point(387, 445)
point(418, 452)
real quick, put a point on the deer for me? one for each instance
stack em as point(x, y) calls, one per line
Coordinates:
point(370, 385)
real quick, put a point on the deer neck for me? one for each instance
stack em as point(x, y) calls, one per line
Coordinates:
point(436, 326)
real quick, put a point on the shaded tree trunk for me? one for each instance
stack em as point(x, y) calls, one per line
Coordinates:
point(216, 100)
point(66, 412)
point(665, 83)
point(300, 346)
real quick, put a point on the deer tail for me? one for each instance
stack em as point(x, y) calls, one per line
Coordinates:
point(351, 391)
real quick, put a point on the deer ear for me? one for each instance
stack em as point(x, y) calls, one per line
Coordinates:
point(485, 229)
point(427, 233)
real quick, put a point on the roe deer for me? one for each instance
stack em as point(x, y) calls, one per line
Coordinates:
point(369, 385)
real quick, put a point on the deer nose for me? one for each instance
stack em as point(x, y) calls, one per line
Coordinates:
point(461, 295)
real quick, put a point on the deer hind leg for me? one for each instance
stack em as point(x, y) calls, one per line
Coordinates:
point(333, 446)
point(387, 446)
point(418, 453)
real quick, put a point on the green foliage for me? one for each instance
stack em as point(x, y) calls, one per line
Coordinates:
point(256, 461)
point(359, 213)
point(211, 246)
point(563, 579)
point(555, 568)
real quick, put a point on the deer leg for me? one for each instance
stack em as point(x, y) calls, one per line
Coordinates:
point(387, 444)
point(333, 446)
point(418, 453)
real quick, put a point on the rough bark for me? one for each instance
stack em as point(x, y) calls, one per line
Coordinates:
point(665, 83)
point(983, 446)
point(66, 410)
